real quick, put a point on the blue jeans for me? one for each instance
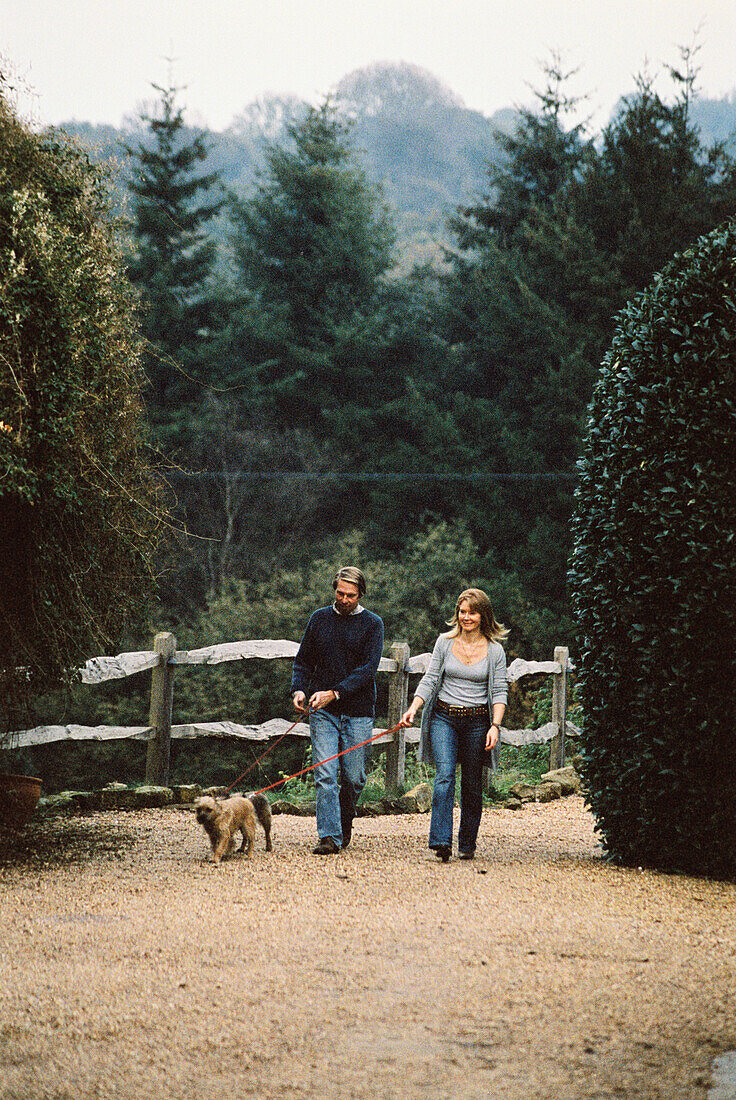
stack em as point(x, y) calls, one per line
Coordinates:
point(457, 740)
point(338, 783)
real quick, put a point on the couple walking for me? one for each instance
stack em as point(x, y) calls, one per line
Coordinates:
point(463, 696)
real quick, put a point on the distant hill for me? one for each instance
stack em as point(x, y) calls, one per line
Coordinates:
point(418, 139)
point(716, 120)
point(414, 136)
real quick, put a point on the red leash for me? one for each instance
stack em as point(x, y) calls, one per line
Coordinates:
point(268, 750)
point(311, 767)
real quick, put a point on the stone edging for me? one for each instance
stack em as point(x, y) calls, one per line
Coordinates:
point(117, 796)
point(552, 785)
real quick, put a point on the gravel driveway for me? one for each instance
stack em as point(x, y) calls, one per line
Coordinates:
point(130, 967)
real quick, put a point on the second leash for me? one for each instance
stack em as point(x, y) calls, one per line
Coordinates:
point(270, 748)
point(327, 760)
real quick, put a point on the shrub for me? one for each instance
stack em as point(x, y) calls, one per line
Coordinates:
point(75, 506)
point(653, 571)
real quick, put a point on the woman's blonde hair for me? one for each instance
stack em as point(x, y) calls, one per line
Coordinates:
point(479, 602)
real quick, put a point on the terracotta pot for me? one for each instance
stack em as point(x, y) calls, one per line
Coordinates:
point(18, 797)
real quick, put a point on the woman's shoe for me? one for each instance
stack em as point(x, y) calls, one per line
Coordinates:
point(443, 853)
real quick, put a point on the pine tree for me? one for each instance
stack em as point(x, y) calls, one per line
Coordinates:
point(653, 188)
point(538, 160)
point(543, 268)
point(174, 256)
point(312, 244)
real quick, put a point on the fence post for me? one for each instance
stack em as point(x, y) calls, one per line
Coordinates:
point(398, 701)
point(559, 709)
point(159, 715)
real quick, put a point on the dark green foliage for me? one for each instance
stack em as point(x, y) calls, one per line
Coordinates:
point(311, 245)
point(546, 262)
point(653, 187)
point(208, 761)
point(514, 346)
point(654, 571)
point(173, 253)
point(313, 238)
point(315, 337)
point(77, 513)
point(540, 159)
point(81, 766)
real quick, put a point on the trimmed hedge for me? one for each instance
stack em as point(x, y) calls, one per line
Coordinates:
point(653, 572)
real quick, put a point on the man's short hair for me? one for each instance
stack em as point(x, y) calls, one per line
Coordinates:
point(353, 576)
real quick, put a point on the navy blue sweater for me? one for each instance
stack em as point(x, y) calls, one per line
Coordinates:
point(340, 652)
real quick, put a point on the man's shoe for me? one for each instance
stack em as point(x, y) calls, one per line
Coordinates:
point(347, 831)
point(325, 847)
point(443, 853)
point(466, 855)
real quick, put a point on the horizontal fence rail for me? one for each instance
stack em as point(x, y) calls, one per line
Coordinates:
point(165, 658)
point(98, 669)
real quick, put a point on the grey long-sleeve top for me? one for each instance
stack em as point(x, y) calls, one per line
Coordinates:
point(429, 686)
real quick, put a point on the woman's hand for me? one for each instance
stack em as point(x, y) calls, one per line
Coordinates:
point(407, 718)
point(492, 737)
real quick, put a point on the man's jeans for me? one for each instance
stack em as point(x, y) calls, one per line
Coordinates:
point(457, 740)
point(338, 783)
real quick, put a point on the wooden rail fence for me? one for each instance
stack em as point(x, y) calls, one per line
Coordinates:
point(164, 659)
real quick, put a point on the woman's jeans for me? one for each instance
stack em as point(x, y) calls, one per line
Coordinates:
point(457, 740)
point(338, 783)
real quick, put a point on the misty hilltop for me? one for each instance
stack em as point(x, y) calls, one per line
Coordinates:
point(413, 135)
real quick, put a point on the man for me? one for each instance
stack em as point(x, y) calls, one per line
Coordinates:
point(335, 670)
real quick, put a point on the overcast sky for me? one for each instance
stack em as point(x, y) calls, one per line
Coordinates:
point(95, 60)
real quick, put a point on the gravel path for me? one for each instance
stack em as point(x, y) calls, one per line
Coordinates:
point(130, 967)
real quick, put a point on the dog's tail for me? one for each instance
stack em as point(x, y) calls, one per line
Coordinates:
point(262, 807)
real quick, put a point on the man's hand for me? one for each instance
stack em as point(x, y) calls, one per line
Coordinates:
point(300, 702)
point(321, 699)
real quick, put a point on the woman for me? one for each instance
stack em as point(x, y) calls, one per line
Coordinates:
point(464, 689)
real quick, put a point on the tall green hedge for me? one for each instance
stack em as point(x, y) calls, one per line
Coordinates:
point(77, 515)
point(653, 571)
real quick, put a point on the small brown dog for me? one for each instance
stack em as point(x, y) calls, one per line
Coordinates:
point(222, 819)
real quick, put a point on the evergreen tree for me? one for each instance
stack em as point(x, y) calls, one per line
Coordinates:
point(653, 188)
point(312, 244)
point(510, 346)
point(306, 340)
point(538, 160)
point(544, 266)
point(173, 261)
point(500, 299)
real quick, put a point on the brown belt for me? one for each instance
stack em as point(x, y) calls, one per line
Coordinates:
point(461, 712)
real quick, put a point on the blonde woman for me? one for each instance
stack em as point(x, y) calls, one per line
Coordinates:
point(463, 694)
